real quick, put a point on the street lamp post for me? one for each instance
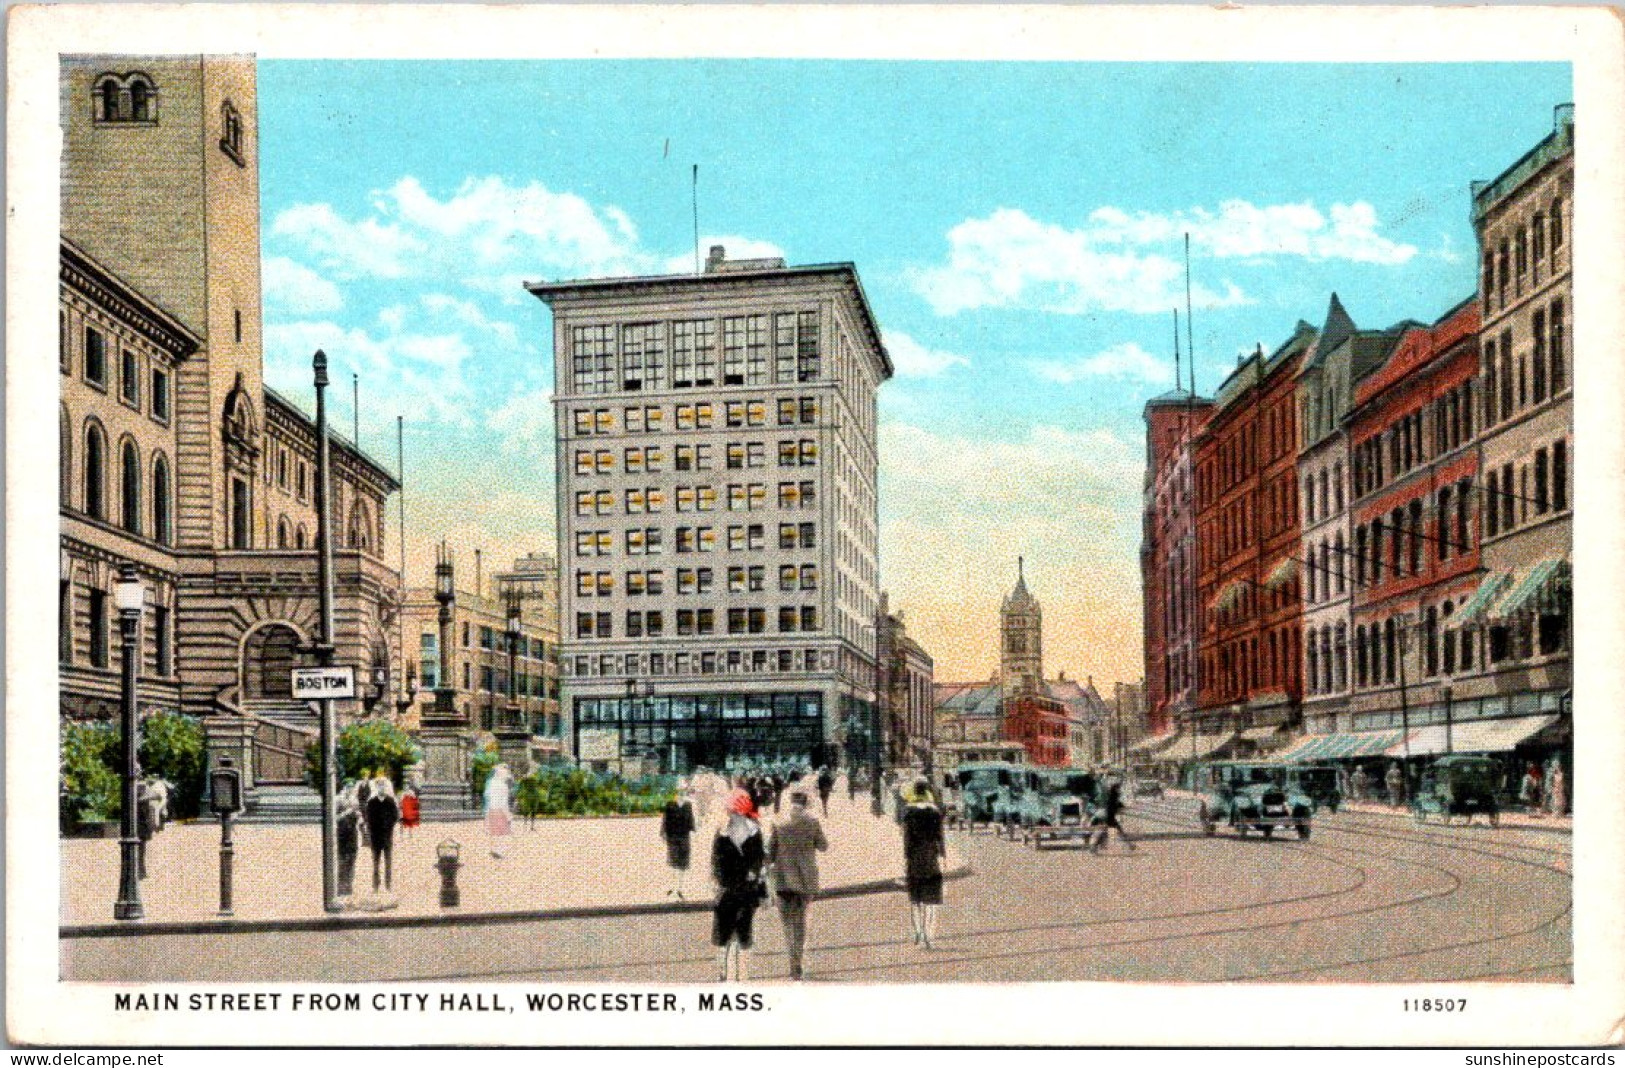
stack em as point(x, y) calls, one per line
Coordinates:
point(130, 597)
point(323, 646)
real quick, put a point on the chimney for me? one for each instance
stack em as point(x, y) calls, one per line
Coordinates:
point(715, 258)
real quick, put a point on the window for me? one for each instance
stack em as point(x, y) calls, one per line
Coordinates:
point(643, 357)
point(733, 351)
point(240, 520)
point(1492, 490)
point(808, 355)
point(756, 350)
point(98, 628)
point(95, 473)
point(1509, 497)
point(1559, 376)
point(1542, 499)
point(95, 357)
point(784, 347)
point(592, 358)
point(1560, 475)
point(130, 378)
point(161, 641)
point(1557, 224)
point(130, 488)
point(64, 622)
point(126, 98)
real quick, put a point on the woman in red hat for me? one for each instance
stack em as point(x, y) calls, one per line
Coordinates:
point(737, 861)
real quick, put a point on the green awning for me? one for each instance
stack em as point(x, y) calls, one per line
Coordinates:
point(1347, 745)
point(1528, 593)
point(1479, 603)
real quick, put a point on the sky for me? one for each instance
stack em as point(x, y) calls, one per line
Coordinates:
point(1018, 228)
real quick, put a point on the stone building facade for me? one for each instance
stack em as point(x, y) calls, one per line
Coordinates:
point(175, 455)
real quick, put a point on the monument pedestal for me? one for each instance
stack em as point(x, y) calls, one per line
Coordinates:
point(443, 787)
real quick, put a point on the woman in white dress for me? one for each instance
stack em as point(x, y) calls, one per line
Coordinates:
point(498, 792)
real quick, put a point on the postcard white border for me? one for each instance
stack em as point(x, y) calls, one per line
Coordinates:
point(41, 1009)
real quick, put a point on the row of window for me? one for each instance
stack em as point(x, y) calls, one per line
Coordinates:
point(491, 638)
point(636, 418)
point(492, 679)
point(707, 662)
point(1541, 488)
point(693, 622)
point(696, 580)
point(738, 455)
point(1509, 265)
point(1238, 667)
point(1513, 382)
point(130, 380)
point(755, 350)
point(650, 541)
point(98, 621)
point(134, 515)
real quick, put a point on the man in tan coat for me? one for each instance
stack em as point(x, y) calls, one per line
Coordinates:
point(793, 854)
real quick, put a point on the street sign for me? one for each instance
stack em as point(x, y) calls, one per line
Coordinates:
point(314, 684)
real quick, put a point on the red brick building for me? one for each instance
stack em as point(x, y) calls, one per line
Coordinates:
point(1041, 725)
point(1168, 557)
point(1415, 558)
point(1247, 537)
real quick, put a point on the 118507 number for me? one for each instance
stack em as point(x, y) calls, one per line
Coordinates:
point(1435, 1004)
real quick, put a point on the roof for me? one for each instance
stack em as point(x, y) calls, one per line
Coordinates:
point(1178, 396)
point(1082, 701)
point(337, 440)
point(118, 297)
point(1339, 328)
point(1552, 147)
point(968, 698)
point(738, 273)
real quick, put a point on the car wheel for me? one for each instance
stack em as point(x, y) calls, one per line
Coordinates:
point(1241, 829)
point(1303, 830)
point(1495, 819)
point(1269, 832)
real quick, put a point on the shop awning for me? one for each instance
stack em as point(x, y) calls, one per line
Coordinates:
point(1263, 736)
point(1486, 595)
point(1341, 746)
point(1147, 746)
point(1532, 591)
point(1473, 736)
point(1204, 746)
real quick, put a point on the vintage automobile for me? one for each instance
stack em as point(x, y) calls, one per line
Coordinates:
point(1318, 782)
point(1249, 797)
point(1061, 807)
point(1146, 783)
point(988, 790)
point(1458, 786)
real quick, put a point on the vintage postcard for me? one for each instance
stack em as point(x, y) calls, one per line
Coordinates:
point(740, 526)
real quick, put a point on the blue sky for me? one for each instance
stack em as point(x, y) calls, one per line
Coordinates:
point(1018, 229)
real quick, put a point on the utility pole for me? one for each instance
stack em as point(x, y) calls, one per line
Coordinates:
point(323, 647)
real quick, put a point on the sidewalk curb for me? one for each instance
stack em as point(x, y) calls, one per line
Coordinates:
point(374, 921)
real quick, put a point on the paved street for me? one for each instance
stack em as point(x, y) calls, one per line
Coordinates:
point(1368, 898)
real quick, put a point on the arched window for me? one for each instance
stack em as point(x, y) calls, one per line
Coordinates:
point(1416, 536)
point(299, 537)
point(95, 473)
point(125, 98)
point(162, 527)
point(231, 136)
point(1557, 223)
point(282, 532)
point(107, 94)
point(1390, 648)
point(140, 99)
point(130, 487)
point(1449, 639)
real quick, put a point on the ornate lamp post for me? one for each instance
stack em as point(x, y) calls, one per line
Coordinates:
point(130, 598)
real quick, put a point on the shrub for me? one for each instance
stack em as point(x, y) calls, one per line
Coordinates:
point(371, 747)
point(90, 782)
point(565, 791)
point(480, 768)
point(172, 749)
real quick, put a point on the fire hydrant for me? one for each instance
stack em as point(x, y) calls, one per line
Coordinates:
point(446, 861)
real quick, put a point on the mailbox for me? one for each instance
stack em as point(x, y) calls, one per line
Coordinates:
point(225, 789)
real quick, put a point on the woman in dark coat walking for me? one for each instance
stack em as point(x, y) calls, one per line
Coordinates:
point(738, 857)
point(676, 827)
point(349, 839)
point(382, 814)
point(924, 848)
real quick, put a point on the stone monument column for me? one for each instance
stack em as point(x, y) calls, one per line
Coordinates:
point(443, 731)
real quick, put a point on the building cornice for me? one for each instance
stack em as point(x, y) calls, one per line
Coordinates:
point(80, 271)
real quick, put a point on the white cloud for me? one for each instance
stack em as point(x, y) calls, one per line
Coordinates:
point(470, 314)
point(1125, 361)
point(369, 248)
point(297, 289)
point(1132, 262)
point(1011, 260)
point(525, 420)
point(913, 360)
point(399, 371)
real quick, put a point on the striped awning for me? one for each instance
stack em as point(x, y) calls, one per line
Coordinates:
point(1341, 746)
point(1472, 736)
point(1532, 591)
point(1478, 605)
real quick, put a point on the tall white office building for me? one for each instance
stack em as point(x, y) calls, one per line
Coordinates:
point(717, 513)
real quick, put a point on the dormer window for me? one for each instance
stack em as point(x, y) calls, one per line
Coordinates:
point(231, 133)
point(128, 97)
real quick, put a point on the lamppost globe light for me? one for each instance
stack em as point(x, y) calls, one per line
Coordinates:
point(128, 593)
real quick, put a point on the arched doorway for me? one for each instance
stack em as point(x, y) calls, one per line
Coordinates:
point(269, 656)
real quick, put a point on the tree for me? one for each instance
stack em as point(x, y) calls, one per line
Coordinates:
point(172, 749)
point(366, 747)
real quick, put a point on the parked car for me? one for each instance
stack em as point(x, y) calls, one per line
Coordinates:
point(1458, 786)
point(1250, 797)
point(1318, 782)
point(1060, 808)
point(987, 790)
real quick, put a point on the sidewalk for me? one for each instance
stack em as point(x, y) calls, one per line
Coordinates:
point(558, 868)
